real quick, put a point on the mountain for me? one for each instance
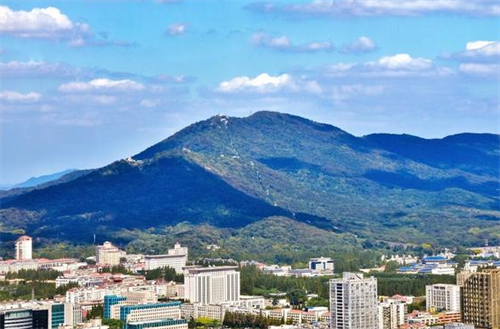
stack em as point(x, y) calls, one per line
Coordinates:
point(230, 173)
point(35, 181)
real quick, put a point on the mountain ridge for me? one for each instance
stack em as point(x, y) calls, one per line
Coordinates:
point(231, 172)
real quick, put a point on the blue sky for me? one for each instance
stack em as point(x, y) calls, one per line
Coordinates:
point(84, 83)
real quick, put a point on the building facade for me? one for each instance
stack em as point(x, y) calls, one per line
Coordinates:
point(442, 297)
point(212, 285)
point(481, 299)
point(353, 302)
point(24, 248)
point(392, 313)
point(176, 259)
point(108, 255)
point(321, 264)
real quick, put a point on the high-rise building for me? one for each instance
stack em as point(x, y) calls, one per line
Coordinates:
point(443, 297)
point(24, 247)
point(392, 313)
point(353, 302)
point(212, 285)
point(176, 259)
point(462, 276)
point(481, 299)
point(108, 255)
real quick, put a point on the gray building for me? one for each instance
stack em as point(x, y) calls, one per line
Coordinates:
point(353, 302)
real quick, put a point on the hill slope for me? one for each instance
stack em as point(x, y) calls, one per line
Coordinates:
point(230, 172)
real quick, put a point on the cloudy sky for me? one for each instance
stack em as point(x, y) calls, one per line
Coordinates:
point(84, 83)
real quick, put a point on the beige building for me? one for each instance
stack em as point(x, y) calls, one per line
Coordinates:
point(24, 247)
point(176, 259)
point(481, 299)
point(108, 255)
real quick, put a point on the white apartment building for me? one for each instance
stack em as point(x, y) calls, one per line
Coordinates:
point(443, 297)
point(108, 255)
point(392, 313)
point(353, 302)
point(212, 285)
point(24, 247)
point(176, 259)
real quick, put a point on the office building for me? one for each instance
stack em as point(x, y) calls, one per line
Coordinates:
point(481, 299)
point(112, 303)
point(176, 259)
point(321, 264)
point(442, 297)
point(392, 313)
point(142, 316)
point(212, 285)
point(36, 315)
point(108, 255)
point(24, 247)
point(353, 302)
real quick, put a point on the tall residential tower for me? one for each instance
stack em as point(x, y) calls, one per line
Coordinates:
point(353, 302)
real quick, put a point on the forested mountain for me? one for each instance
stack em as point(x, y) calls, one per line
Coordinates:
point(229, 173)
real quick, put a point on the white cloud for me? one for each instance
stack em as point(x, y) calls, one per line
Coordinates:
point(361, 45)
point(480, 69)
point(399, 65)
point(176, 29)
point(343, 8)
point(265, 84)
point(283, 43)
point(45, 23)
point(478, 51)
point(404, 62)
point(51, 24)
point(36, 69)
point(102, 85)
point(14, 96)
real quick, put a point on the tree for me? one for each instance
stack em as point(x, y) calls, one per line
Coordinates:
point(391, 267)
point(297, 298)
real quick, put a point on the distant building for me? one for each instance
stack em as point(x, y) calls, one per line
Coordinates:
point(176, 259)
point(481, 299)
point(212, 285)
point(443, 297)
point(321, 264)
point(438, 265)
point(24, 247)
point(353, 302)
point(108, 255)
